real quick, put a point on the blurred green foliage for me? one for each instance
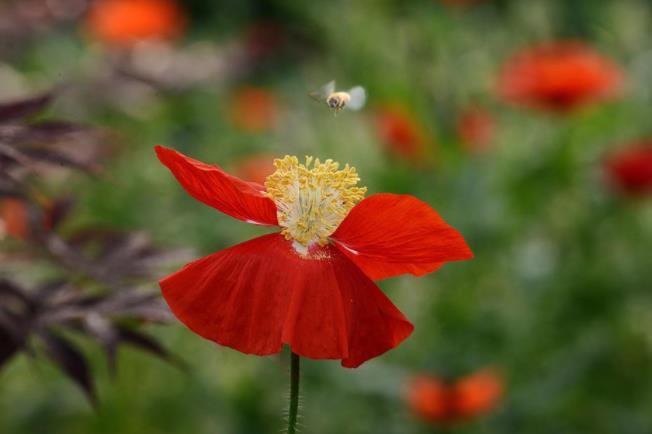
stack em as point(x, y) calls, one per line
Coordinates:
point(558, 296)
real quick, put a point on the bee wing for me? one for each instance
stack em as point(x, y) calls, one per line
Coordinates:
point(328, 88)
point(358, 98)
point(324, 91)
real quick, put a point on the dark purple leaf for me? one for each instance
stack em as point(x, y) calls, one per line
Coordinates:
point(47, 134)
point(42, 155)
point(146, 343)
point(107, 335)
point(24, 108)
point(49, 130)
point(15, 316)
point(88, 301)
point(12, 294)
point(147, 307)
point(17, 312)
point(47, 290)
point(9, 344)
point(59, 211)
point(65, 254)
point(71, 362)
point(12, 154)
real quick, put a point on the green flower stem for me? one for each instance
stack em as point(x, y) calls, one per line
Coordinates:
point(294, 393)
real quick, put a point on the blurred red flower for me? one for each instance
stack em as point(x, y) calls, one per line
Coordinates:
point(13, 219)
point(440, 402)
point(125, 22)
point(309, 286)
point(401, 134)
point(478, 393)
point(429, 398)
point(630, 170)
point(255, 168)
point(559, 76)
point(475, 127)
point(254, 109)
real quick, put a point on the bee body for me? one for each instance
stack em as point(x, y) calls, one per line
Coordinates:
point(338, 100)
point(352, 99)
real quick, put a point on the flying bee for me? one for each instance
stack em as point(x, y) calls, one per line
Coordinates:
point(352, 99)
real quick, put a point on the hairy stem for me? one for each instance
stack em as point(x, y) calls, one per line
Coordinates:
point(294, 393)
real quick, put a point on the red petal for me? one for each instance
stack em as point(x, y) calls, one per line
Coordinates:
point(390, 234)
point(235, 297)
point(378, 269)
point(214, 187)
point(257, 295)
point(337, 301)
point(375, 324)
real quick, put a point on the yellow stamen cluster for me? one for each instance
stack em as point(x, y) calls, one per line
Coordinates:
point(312, 199)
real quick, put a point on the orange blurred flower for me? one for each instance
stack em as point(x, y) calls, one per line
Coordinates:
point(13, 219)
point(630, 170)
point(254, 110)
point(255, 168)
point(428, 397)
point(125, 22)
point(439, 402)
point(559, 76)
point(401, 134)
point(477, 394)
point(475, 128)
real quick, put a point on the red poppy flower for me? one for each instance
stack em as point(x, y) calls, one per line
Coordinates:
point(475, 127)
point(400, 133)
point(440, 402)
point(559, 77)
point(310, 285)
point(630, 170)
point(255, 110)
point(125, 22)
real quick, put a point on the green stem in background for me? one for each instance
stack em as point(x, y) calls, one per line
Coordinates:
point(294, 393)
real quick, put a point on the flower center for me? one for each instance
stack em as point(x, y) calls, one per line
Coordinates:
point(312, 199)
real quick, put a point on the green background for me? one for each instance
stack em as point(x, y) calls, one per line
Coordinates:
point(558, 296)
